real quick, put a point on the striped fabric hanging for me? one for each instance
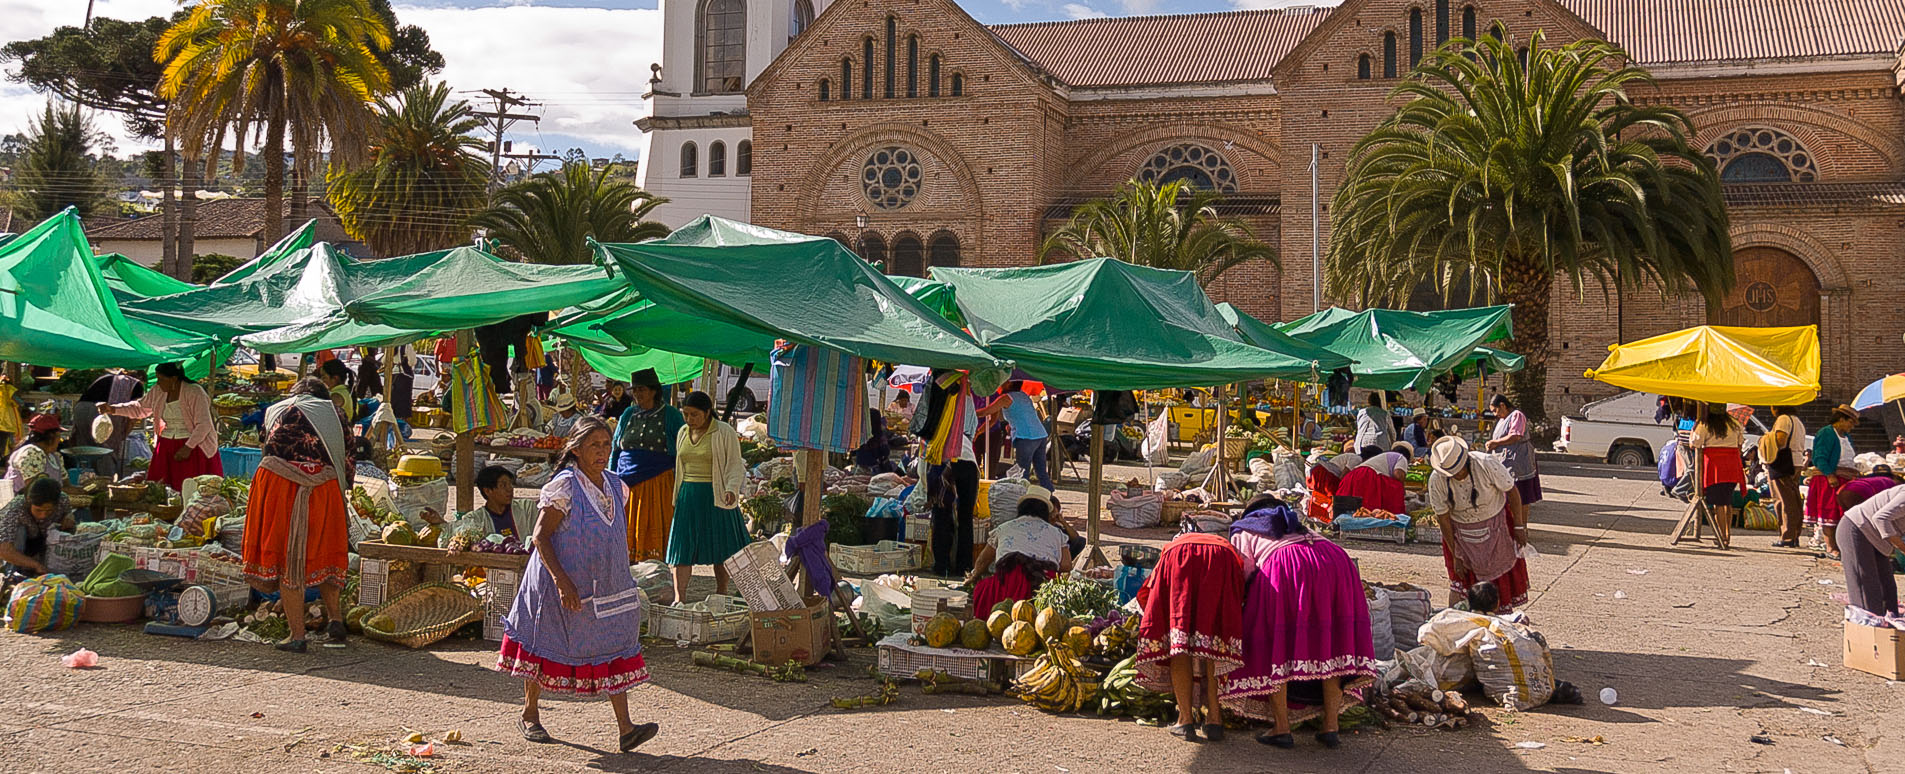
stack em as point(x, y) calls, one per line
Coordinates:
point(474, 404)
point(817, 399)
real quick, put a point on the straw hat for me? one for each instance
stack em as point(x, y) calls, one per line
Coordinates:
point(1449, 455)
point(1419, 412)
point(563, 401)
point(1036, 492)
point(418, 466)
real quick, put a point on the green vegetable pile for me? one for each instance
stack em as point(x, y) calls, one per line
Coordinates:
point(1077, 598)
point(846, 516)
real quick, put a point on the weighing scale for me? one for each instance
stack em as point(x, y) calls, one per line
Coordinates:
point(174, 611)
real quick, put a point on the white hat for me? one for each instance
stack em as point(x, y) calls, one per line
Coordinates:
point(563, 401)
point(1036, 492)
point(1449, 455)
point(1419, 412)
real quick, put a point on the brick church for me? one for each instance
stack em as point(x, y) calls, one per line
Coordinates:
point(921, 137)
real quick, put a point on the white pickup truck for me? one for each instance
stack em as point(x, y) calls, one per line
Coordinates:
point(1621, 430)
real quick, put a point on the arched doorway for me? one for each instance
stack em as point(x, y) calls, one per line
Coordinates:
point(1771, 288)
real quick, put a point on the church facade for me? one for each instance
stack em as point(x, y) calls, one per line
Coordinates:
point(921, 137)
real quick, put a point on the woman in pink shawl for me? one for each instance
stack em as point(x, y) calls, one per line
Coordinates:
point(1306, 626)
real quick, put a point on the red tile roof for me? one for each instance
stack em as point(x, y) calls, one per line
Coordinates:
point(1153, 50)
point(234, 218)
point(1673, 31)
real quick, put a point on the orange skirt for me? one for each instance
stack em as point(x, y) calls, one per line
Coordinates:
point(267, 525)
point(651, 512)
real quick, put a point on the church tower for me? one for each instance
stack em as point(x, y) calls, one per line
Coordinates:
point(697, 147)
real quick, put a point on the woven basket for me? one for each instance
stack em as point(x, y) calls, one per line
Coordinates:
point(1174, 511)
point(424, 614)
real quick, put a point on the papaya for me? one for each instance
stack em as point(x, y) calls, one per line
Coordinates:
point(1019, 639)
point(354, 619)
point(380, 622)
point(974, 635)
point(1078, 639)
point(942, 631)
point(997, 623)
point(1024, 611)
point(1005, 605)
point(1050, 624)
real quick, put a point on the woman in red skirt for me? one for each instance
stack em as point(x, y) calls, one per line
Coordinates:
point(1476, 503)
point(1717, 439)
point(188, 438)
point(1193, 627)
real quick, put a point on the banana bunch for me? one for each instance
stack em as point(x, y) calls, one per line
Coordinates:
point(1116, 641)
point(1122, 696)
point(1058, 682)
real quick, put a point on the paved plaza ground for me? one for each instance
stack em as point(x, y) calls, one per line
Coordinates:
point(1706, 649)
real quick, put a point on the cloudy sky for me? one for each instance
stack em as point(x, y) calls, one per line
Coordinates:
point(585, 60)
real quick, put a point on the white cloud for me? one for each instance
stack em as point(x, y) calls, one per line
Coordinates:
point(1081, 11)
point(588, 65)
point(1139, 7)
point(1016, 5)
point(1253, 4)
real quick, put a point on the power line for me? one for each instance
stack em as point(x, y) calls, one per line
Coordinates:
point(501, 118)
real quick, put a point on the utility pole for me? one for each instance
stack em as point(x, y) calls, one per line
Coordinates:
point(500, 119)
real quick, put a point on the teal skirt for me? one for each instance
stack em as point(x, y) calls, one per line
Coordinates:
point(702, 533)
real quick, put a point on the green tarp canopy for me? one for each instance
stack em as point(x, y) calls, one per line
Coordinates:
point(57, 310)
point(304, 237)
point(727, 287)
point(937, 296)
point(468, 288)
point(1107, 324)
point(1268, 337)
point(1489, 360)
point(131, 280)
point(1400, 350)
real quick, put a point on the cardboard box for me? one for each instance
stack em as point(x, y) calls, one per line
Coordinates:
point(1068, 419)
point(1874, 649)
point(801, 635)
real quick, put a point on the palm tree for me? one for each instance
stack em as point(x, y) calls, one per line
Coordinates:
point(1500, 172)
point(550, 217)
point(1166, 226)
point(306, 70)
point(423, 180)
point(57, 168)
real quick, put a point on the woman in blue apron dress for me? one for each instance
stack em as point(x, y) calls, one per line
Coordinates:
point(576, 624)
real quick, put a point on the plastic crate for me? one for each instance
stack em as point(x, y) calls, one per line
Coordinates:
point(759, 578)
point(917, 529)
point(901, 660)
point(240, 462)
point(1427, 535)
point(878, 559)
point(1397, 534)
point(725, 619)
point(377, 582)
point(499, 595)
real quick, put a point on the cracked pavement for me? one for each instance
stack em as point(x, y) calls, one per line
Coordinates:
point(1706, 649)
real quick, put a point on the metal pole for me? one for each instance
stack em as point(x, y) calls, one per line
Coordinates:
point(1316, 260)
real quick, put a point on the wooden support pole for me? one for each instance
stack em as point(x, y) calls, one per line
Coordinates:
point(813, 486)
point(1095, 492)
point(1221, 471)
point(465, 441)
point(1054, 447)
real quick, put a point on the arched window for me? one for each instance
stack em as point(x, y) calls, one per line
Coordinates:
point(912, 65)
point(1362, 68)
point(1196, 165)
point(688, 159)
point(958, 85)
point(803, 18)
point(1415, 37)
point(892, 52)
point(944, 250)
point(1468, 22)
point(823, 90)
point(846, 78)
point(932, 76)
point(1441, 22)
point(872, 248)
point(721, 40)
point(1760, 154)
point(717, 159)
point(1389, 55)
point(866, 68)
point(744, 158)
point(909, 257)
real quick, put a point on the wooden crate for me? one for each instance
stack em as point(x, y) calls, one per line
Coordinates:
point(377, 549)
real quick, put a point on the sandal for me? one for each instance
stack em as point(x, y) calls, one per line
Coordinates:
point(639, 734)
point(1184, 731)
point(1286, 741)
point(534, 732)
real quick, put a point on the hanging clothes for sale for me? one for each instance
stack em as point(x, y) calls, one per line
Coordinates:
point(949, 418)
point(446, 349)
point(532, 353)
point(817, 399)
point(474, 405)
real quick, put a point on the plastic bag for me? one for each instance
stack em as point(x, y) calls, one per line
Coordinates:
point(1380, 633)
point(1288, 470)
point(1451, 672)
point(1136, 511)
point(1513, 665)
point(1758, 516)
point(1199, 463)
point(1409, 608)
point(44, 604)
point(72, 555)
point(654, 579)
point(1002, 498)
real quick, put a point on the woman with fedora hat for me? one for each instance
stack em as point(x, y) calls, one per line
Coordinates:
point(1478, 506)
point(645, 461)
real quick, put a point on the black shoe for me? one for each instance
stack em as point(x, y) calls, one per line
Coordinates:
point(639, 734)
point(1329, 739)
point(1214, 731)
point(333, 636)
point(293, 646)
point(1285, 741)
point(1185, 731)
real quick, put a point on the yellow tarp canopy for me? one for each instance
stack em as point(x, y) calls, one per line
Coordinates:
point(1753, 366)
